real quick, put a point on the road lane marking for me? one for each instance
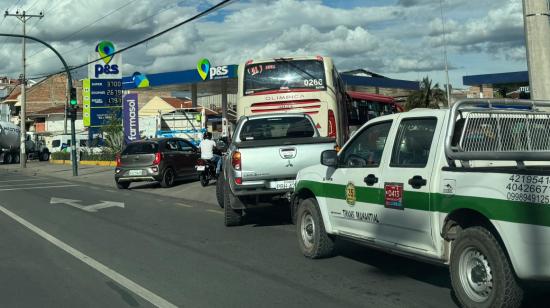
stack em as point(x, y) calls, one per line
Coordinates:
point(87, 208)
point(39, 187)
point(105, 270)
point(215, 211)
point(33, 179)
point(29, 184)
point(184, 205)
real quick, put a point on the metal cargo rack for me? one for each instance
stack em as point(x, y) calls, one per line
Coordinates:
point(498, 129)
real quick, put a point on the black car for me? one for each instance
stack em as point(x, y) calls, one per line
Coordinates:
point(163, 160)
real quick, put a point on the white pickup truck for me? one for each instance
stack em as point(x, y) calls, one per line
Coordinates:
point(467, 187)
point(263, 159)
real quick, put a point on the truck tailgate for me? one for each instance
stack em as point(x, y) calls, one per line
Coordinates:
point(280, 160)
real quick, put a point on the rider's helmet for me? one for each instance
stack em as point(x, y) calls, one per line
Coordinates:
point(207, 135)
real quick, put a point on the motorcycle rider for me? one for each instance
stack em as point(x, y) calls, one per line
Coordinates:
point(207, 147)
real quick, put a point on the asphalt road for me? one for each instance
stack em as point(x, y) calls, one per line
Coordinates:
point(170, 251)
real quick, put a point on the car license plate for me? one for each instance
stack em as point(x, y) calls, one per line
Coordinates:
point(200, 168)
point(279, 185)
point(135, 172)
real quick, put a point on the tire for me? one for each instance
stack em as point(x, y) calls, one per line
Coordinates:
point(122, 185)
point(16, 158)
point(220, 184)
point(8, 158)
point(231, 217)
point(313, 240)
point(474, 253)
point(204, 179)
point(168, 178)
point(45, 156)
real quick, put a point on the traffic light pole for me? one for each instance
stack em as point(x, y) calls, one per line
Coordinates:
point(70, 85)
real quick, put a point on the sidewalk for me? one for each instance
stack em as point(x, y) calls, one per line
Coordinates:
point(103, 176)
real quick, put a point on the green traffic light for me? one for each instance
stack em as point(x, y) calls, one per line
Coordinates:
point(73, 102)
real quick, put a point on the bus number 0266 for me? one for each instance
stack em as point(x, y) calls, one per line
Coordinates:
point(313, 82)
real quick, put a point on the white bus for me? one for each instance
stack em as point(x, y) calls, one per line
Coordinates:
point(308, 85)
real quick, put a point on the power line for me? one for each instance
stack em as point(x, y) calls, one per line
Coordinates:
point(118, 31)
point(88, 25)
point(206, 12)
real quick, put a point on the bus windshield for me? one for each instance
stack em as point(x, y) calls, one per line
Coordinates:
point(284, 75)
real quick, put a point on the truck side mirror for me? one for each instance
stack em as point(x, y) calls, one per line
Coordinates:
point(329, 158)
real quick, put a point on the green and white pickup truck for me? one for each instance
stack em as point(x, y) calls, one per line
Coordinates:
point(467, 187)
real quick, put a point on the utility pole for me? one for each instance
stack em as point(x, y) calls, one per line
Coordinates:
point(447, 87)
point(537, 38)
point(23, 17)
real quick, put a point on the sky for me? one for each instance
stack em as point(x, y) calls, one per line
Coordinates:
point(400, 39)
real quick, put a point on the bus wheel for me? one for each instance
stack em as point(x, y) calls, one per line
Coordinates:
point(481, 274)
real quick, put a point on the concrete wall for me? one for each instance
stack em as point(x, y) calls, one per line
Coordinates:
point(55, 123)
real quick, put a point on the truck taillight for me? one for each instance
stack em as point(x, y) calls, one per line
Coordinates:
point(331, 124)
point(236, 160)
point(158, 158)
point(117, 160)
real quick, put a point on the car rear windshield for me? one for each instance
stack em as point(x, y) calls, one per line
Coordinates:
point(141, 148)
point(277, 128)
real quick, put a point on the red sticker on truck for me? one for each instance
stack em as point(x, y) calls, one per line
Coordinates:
point(394, 195)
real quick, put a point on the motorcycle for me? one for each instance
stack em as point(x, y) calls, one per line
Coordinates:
point(207, 171)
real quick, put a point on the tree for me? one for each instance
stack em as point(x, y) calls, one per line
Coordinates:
point(427, 97)
point(113, 134)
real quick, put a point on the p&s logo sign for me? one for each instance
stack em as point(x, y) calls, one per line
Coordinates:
point(108, 65)
point(206, 71)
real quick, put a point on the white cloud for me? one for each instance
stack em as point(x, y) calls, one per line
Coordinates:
point(400, 39)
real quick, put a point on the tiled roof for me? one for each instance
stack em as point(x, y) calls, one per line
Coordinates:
point(177, 102)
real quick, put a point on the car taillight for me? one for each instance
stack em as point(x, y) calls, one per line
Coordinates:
point(117, 160)
point(331, 124)
point(236, 160)
point(238, 181)
point(200, 162)
point(158, 158)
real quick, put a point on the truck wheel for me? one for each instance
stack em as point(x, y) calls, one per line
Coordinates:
point(481, 274)
point(219, 190)
point(44, 156)
point(16, 158)
point(122, 185)
point(8, 158)
point(232, 217)
point(313, 240)
point(168, 178)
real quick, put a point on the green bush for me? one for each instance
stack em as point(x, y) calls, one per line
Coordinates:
point(60, 156)
point(106, 156)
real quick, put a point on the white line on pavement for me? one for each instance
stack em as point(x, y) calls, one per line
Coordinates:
point(29, 184)
point(215, 211)
point(183, 204)
point(118, 278)
point(39, 187)
point(27, 180)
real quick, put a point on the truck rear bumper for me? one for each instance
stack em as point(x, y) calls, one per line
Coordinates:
point(262, 187)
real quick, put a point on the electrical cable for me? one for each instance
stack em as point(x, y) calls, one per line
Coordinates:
point(87, 26)
point(115, 32)
point(206, 12)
